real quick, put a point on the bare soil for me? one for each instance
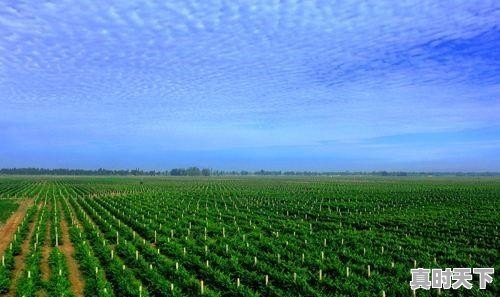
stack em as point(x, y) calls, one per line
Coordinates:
point(75, 277)
point(8, 230)
point(20, 260)
point(44, 264)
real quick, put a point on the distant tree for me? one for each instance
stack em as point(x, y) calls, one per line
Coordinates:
point(193, 171)
point(178, 172)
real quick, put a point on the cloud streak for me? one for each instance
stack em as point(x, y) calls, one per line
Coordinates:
point(245, 76)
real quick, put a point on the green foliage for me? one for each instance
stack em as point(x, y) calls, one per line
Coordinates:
point(58, 284)
point(7, 208)
point(291, 217)
point(30, 281)
point(6, 270)
point(234, 234)
point(95, 280)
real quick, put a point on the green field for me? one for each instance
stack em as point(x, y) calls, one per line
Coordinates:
point(350, 236)
point(7, 208)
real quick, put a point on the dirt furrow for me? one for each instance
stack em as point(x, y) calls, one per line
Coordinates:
point(75, 277)
point(20, 260)
point(9, 228)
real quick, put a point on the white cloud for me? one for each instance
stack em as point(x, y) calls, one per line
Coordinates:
point(279, 72)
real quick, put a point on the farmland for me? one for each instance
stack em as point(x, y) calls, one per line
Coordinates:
point(352, 236)
point(8, 207)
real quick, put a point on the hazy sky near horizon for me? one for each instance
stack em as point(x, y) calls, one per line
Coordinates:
point(303, 85)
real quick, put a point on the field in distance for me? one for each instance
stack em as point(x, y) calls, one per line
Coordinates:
point(244, 236)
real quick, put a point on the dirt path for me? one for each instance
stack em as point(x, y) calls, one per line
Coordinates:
point(10, 227)
point(20, 260)
point(75, 277)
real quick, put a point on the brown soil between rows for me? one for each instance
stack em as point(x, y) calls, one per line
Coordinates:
point(8, 230)
point(20, 260)
point(46, 248)
point(75, 276)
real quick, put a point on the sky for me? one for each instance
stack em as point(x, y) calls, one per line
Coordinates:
point(249, 85)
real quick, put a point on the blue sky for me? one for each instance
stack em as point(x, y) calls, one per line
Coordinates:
point(303, 85)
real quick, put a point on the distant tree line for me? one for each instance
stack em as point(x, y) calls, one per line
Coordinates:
point(190, 171)
point(65, 171)
point(195, 171)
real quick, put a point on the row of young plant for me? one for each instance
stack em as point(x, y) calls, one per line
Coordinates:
point(14, 249)
point(96, 283)
point(58, 283)
point(16, 188)
point(195, 247)
point(384, 238)
point(249, 270)
point(381, 260)
point(55, 232)
point(163, 276)
point(9, 187)
point(193, 256)
point(123, 280)
point(30, 281)
point(269, 264)
point(151, 274)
